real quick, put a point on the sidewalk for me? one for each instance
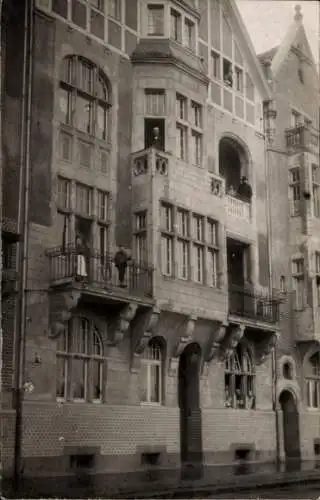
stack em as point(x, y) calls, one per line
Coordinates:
point(226, 485)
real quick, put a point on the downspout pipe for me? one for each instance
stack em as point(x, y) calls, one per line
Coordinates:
point(23, 254)
point(2, 62)
point(270, 282)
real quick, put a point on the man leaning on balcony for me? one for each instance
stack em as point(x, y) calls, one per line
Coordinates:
point(245, 190)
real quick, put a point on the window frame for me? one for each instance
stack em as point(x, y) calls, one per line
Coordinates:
point(87, 355)
point(235, 369)
point(140, 237)
point(312, 383)
point(298, 282)
point(153, 344)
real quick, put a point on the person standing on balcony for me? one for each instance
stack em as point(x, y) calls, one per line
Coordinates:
point(244, 190)
point(81, 267)
point(121, 262)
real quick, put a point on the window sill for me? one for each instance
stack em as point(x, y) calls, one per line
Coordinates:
point(155, 405)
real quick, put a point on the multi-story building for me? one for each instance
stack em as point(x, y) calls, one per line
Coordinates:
point(138, 339)
point(293, 177)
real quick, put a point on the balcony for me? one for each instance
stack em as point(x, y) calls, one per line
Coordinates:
point(150, 161)
point(253, 305)
point(238, 208)
point(302, 137)
point(98, 271)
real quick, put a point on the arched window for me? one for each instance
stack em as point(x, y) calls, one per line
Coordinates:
point(80, 363)
point(84, 97)
point(313, 381)
point(239, 380)
point(151, 373)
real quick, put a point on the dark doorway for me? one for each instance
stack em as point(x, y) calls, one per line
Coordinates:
point(190, 412)
point(230, 162)
point(239, 277)
point(150, 124)
point(291, 432)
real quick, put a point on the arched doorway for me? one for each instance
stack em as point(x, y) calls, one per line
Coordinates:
point(190, 412)
point(233, 162)
point(291, 431)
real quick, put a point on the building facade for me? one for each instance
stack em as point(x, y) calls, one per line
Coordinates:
point(151, 331)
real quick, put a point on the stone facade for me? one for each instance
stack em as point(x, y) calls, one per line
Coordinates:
point(115, 438)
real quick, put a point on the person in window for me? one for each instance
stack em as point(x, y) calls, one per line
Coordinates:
point(81, 267)
point(231, 190)
point(121, 262)
point(156, 141)
point(244, 190)
point(228, 78)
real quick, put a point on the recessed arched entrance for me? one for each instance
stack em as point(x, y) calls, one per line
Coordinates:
point(233, 161)
point(190, 412)
point(291, 431)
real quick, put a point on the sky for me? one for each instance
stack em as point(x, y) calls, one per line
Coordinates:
point(267, 22)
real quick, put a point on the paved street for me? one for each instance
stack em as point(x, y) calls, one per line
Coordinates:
point(305, 491)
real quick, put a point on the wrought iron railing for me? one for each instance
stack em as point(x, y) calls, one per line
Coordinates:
point(254, 305)
point(99, 270)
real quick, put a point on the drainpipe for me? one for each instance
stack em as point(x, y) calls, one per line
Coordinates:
point(2, 58)
point(23, 246)
point(270, 280)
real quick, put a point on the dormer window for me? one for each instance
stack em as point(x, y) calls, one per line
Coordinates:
point(155, 20)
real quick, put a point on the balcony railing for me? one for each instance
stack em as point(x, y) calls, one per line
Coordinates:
point(238, 208)
point(99, 270)
point(253, 305)
point(302, 137)
point(150, 160)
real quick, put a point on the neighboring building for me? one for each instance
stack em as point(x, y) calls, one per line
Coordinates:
point(294, 180)
point(151, 305)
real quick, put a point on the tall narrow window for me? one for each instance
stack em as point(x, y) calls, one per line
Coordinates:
point(175, 28)
point(151, 374)
point(155, 20)
point(215, 65)
point(198, 248)
point(213, 253)
point(167, 239)
point(298, 282)
point(239, 380)
point(316, 190)
point(84, 199)
point(183, 244)
point(189, 34)
point(313, 381)
point(141, 236)
point(80, 362)
point(84, 97)
point(295, 190)
point(317, 266)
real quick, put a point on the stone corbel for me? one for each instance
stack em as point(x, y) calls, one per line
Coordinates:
point(122, 324)
point(231, 341)
point(144, 330)
point(60, 311)
point(264, 348)
point(214, 347)
point(182, 343)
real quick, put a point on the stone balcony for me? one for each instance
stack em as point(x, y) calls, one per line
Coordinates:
point(150, 161)
point(238, 208)
point(302, 138)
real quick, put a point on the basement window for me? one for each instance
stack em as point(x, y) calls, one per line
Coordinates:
point(85, 461)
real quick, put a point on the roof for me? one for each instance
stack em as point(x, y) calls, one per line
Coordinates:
point(268, 55)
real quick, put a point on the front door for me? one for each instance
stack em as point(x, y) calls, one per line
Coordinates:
point(190, 412)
